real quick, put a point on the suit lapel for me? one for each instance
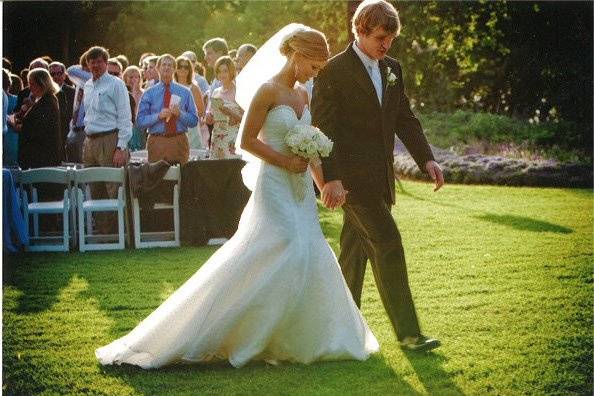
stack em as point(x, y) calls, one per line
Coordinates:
point(383, 70)
point(360, 75)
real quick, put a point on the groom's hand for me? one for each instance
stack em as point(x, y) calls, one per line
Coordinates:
point(333, 194)
point(436, 174)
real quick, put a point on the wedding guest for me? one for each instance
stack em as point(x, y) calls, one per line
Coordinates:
point(166, 121)
point(108, 126)
point(79, 75)
point(16, 86)
point(123, 59)
point(150, 74)
point(10, 138)
point(224, 112)
point(184, 75)
point(198, 71)
point(143, 57)
point(7, 64)
point(133, 79)
point(244, 54)
point(233, 55)
point(24, 97)
point(114, 67)
point(65, 98)
point(213, 50)
point(40, 134)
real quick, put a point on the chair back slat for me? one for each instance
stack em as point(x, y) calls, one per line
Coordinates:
point(173, 173)
point(45, 175)
point(99, 174)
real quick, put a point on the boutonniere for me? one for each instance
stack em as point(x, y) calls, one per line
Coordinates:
point(391, 77)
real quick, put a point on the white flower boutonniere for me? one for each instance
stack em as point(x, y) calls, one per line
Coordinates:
point(391, 77)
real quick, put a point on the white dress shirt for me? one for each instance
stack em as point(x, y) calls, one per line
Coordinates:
point(372, 67)
point(107, 107)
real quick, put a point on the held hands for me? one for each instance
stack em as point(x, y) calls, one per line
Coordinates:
point(165, 114)
point(175, 111)
point(296, 164)
point(333, 194)
point(436, 174)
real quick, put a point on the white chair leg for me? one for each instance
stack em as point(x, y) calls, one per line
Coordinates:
point(35, 216)
point(66, 220)
point(176, 214)
point(136, 220)
point(81, 222)
point(121, 233)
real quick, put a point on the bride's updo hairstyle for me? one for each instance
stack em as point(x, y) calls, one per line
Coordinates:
point(306, 41)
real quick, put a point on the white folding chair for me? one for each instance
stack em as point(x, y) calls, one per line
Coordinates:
point(88, 205)
point(160, 238)
point(27, 180)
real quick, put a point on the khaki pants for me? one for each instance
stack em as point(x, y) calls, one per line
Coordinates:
point(98, 151)
point(174, 149)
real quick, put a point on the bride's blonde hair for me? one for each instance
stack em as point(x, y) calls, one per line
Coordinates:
point(306, 41)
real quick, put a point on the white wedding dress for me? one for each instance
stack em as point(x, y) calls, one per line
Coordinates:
point(273, 292)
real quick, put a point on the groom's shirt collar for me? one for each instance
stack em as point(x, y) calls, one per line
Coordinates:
point(367, 61)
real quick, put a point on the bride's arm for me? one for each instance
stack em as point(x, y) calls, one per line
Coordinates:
point(318, 175)
point(262, 101)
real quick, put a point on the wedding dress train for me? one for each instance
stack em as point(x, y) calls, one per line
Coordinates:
point(273, 292)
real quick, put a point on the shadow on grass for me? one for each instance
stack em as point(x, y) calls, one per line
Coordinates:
point(343, 377)
point(524, 223)
point(518, 222)
point(428, 367)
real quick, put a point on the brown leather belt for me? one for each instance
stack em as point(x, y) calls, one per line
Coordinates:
point(101, 134)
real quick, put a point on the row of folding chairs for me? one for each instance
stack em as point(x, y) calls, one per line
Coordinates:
point(77, 206)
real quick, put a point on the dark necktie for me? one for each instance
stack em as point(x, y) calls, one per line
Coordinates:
point(170, 128)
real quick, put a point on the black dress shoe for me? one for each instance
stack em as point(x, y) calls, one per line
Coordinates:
point(419, 344)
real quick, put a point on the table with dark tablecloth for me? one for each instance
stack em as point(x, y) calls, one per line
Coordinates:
point(212, 198)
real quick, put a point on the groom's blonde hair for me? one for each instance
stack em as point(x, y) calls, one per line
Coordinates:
point(375, 13)
point(308, 42)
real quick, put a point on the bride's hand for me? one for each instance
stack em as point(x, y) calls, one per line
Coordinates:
point(296, 164)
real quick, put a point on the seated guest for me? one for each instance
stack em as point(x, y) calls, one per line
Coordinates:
point(184, 75)
point(133, 79)
point(166, 121)
point(65, 98)
point(40, 133)
point(224, 112)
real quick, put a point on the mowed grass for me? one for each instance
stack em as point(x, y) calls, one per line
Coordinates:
point(503, 276)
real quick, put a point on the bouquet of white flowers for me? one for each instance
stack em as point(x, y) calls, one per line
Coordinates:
point(310, 143)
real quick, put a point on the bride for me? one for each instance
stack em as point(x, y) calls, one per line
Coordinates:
point(274, 291)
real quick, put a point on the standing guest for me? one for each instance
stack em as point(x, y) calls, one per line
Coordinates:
point(224, 112)
point(233, 55)
point(213, 50)
point(79, 75)
point(16, 85)
point(108, 125)
point(65, 98)
point(133, 80)
point(24, 97)
point(123, 59)
point(150, 75)
point(7, 64)
point(114, 67)
point(244, 54)
point(23, 75)
point(10, 137)
point(167, 124)
point(40, 133)
point(143, 57)
point(198, 71)
point(184, 75)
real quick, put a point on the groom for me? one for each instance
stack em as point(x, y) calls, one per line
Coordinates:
point(359, 102)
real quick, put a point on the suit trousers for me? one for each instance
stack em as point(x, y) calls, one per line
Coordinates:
point(370, 232)
point(174, 149)
point(98, 151)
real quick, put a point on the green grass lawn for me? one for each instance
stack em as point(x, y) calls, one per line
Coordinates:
point(503, 276)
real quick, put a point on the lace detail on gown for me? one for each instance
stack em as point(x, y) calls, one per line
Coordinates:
point(273, 292)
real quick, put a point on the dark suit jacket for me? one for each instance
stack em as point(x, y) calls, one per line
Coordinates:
point(346, 108)
point(66, 102)
point(41, 136)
